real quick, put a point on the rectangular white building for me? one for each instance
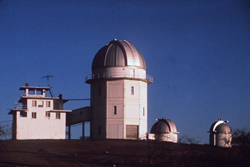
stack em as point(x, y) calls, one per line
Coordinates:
point(37, 116)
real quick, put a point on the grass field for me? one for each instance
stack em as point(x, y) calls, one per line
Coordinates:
point(115, 153)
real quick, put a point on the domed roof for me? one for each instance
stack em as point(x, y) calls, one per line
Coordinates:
point(220, 126)
point(163, 126)
point(223, 128)
point(118, 53)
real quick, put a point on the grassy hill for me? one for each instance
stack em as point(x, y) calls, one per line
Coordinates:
point(112, 153)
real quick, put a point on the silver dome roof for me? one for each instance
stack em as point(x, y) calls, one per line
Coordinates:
point(220, 126)
point(223, 128)
point(118, 53)
point(163, 126)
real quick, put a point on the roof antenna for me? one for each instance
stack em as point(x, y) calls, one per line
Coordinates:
point(48, 76)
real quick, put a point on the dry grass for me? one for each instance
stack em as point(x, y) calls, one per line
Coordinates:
point(75, 153)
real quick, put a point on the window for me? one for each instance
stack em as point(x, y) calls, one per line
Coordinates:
point(48, 114)
point(34, 115)
point(33, 103)
point(143, 111)
point(40, 103)
point(58, 115)
point(23, 114)
point(100, 90)
point(47, 103)
point(132, 90)
point(115, 110)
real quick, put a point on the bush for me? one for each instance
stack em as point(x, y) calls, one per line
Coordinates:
point(189, 140)
point(5, 131)
point(241, 137)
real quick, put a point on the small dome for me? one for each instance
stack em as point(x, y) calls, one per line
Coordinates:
point(220, 126)
point(163, 126)
point(220, 134)
point(223, 128)
point(118, 53)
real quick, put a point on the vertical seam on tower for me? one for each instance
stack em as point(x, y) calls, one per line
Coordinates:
point(106, 55)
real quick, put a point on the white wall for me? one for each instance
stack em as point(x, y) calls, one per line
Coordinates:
point(129, 107)
point(41, 127)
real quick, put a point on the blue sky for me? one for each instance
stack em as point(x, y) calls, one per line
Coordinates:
point(198, 52)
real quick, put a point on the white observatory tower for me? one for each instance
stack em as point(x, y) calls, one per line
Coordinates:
point(118, 92)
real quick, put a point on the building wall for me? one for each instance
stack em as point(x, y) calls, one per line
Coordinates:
point(115, 109)
point(114, 106)
point(98, 106)
point(135, 104)
point(41, 127)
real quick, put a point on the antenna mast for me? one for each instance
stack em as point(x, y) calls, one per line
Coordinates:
point(48, 76)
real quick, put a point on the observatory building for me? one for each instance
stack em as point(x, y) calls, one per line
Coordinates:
point(118, 108)
point(37, 116)
point(220, 134)
point(164, 130)
point(118, 92)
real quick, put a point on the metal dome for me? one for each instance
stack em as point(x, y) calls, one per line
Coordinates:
point(118, 53)
point(220, 127)
point(223, 128)
point(163, 126)
point(220, 134)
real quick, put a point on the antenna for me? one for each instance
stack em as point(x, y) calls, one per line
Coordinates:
point(48, 76)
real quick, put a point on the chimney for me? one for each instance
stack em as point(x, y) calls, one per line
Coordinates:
point(60, 96)
point(27, 84)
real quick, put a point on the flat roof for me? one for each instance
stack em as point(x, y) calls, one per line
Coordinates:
point(59, 111)
point(34, 87)
point(41, 98)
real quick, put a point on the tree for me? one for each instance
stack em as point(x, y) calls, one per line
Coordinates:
point(5, 130)
point(241, 137)
point(189, 140)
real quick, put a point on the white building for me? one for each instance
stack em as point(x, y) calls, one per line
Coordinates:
point(118, 100)
point(118, 92)
point(37, 116)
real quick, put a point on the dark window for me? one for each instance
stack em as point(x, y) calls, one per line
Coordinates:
point(23, 114)
point(115, 110)
point(47, 103)
point(33, 103)
point(132, 90)
point(143, 111)
point(58, 115)
point(48, 114)
point(34, 115)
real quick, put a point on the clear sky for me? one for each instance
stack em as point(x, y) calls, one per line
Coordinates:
point(198, 52)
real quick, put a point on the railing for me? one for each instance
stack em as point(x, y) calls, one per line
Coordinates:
point(20, 106)
point(118, 75)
